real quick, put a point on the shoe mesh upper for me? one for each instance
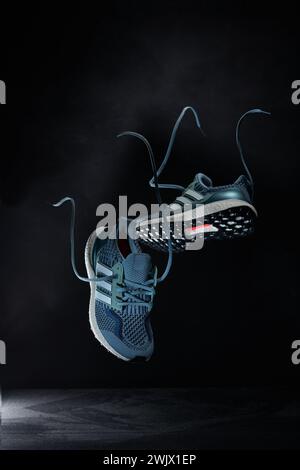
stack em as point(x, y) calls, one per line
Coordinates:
point(130, 323)
point(241, 183)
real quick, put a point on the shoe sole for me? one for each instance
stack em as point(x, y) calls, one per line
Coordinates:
point(223, 220)
point(92, 314)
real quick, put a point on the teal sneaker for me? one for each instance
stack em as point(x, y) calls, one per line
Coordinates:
point(202, 210)
point(122, 281)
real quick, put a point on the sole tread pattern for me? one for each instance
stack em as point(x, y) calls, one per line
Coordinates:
point(235, 222)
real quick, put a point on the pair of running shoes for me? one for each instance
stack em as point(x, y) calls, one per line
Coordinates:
point(122, 277)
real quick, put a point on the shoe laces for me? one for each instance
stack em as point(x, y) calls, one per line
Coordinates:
point(239, 146)
point(154, 180)
point(131, 292)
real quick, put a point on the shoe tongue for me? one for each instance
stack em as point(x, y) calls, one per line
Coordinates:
point(203, 181)
point(137, 267)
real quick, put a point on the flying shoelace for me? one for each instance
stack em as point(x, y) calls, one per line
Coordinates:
point(238, 143)
point(131, 292)
point(154, 180)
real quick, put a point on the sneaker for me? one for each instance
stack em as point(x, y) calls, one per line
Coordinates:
point(122, 281)
point(202, 210)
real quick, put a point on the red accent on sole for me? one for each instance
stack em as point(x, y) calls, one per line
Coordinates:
point(203, 226)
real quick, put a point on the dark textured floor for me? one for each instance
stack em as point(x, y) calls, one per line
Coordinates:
point(150, 419)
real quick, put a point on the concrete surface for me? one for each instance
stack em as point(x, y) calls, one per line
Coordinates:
point(149, 419)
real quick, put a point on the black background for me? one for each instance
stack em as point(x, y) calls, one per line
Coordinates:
point(75, 78)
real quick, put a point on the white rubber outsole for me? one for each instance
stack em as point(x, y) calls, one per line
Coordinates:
point(200, 211)
point(92, 314)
